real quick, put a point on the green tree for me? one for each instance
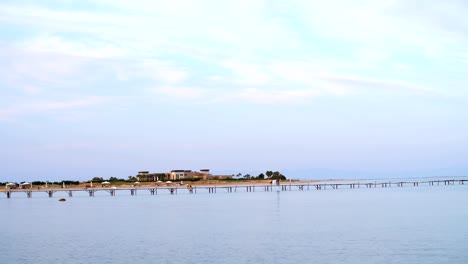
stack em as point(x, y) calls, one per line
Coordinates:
point(261, 176)
point(132, 178)
point(269, 174)
point(278, 175)
point(97, 179)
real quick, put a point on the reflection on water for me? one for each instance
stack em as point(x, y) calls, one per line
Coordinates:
point(397, 225)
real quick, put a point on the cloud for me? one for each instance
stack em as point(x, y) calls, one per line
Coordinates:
point(50, 106)
point(31, 68)
point(258, 96)
point(431, 29)
point(84, 48)
point(291, 75)
point(201, 28)
point(161, 71)
point(245, 73)
point(180, 92)
point(310, 48)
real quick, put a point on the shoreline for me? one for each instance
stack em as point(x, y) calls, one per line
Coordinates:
point(224, 183)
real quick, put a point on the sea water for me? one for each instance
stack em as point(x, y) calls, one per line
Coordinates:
point(425, 224)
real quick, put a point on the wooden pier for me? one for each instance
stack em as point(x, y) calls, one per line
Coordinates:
point(174, 190)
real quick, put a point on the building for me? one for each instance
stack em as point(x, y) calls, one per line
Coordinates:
point(174, 175)
point(145, 176)
point(181, 174)
point(189, 174)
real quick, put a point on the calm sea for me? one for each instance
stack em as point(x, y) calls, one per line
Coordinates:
point(393, 225)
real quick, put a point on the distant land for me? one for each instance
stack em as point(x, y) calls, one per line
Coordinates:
point(84, 174)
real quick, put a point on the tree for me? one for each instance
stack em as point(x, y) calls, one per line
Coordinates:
point(278, 175)
point(269, 174)
point(261, 176)
point(132, 178)
point(97, 179)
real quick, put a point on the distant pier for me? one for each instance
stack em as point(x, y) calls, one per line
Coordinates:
point(212, 189)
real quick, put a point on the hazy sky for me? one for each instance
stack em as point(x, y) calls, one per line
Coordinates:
point(313, 88)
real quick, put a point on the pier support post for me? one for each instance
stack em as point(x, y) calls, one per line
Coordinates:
point(70, 194)
point(51, 194)
point(91, 193)
point(8, 195)
point(29, 194)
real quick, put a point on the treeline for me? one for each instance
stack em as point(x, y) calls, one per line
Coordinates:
point(114, 179)
point(269, 175)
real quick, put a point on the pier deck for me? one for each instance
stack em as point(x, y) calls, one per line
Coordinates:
point(286, 186)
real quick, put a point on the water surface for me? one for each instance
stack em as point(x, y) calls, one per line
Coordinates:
point(382, 225)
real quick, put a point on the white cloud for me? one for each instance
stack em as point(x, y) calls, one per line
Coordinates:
point(258, 96)
point(245, 73)
point(159, 71)
point(83, 48)
point(429, 27)
point(50, 106)
point(29, 68)
point(180, 92)
point(292, 75)
point(170, 75)
point(193, 28)
point(274, 47)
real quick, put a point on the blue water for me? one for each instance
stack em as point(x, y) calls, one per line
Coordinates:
point(382, 225)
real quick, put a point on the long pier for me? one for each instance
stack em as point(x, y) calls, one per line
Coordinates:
point(173, 190)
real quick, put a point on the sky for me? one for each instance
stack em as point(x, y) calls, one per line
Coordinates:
point(314, 89)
